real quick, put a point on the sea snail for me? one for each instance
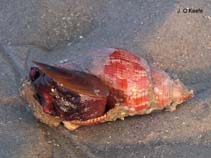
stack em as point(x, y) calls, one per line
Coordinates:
point(101, 86)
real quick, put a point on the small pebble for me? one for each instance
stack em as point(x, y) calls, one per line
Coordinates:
point(69, 44)
point(56, 144)
point(63, 61)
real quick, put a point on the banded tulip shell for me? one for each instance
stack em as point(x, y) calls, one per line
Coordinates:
point(102, 86)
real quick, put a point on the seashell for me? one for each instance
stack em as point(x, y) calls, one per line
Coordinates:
point(105, 85)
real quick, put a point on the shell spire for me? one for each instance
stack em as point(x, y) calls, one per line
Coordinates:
point(168, 93)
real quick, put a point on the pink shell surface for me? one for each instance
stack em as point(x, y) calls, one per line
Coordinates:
point(129, 74)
